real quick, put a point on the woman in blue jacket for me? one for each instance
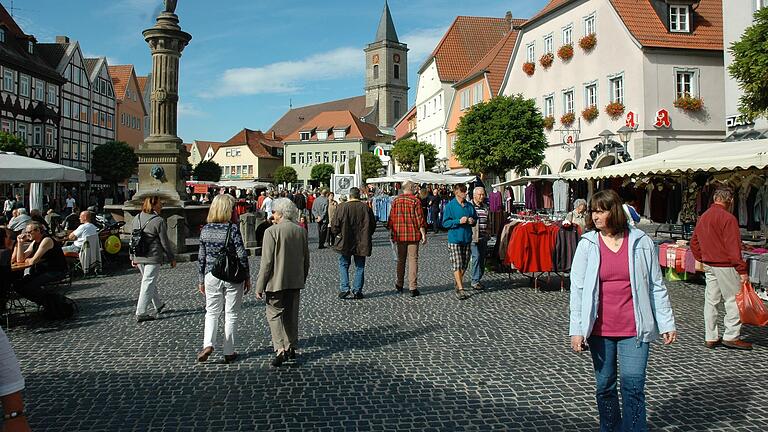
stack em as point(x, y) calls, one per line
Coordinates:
point(619, 304)
point(459, 216)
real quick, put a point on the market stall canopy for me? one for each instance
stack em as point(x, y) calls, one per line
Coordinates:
point(21, 169)
point(525, 179)
point(423, 177)
point(244, 184)
point(721, 156)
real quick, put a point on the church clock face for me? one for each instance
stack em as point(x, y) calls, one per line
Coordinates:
point(396, 57)
point(375, 59)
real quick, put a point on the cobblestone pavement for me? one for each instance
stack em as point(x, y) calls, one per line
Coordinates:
point(498, 361)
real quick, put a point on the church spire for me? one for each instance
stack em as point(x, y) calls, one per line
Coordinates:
point(386, 31)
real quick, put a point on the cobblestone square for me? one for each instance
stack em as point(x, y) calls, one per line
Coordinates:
point(498, 361)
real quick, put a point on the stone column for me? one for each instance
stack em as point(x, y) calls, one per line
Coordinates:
point(162, 156)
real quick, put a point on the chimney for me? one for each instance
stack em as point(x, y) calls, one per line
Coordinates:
point(508, 18)
point(62, 39)
point(274, 135)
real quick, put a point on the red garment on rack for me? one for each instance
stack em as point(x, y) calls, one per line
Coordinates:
point(530, 249)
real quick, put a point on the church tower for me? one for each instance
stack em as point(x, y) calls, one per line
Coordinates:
point(386, 74)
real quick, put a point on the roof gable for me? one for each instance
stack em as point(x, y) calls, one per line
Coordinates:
point(257, 142)
point(121, 75)
point(291, 120)
point(356, 129)
point(495, 63)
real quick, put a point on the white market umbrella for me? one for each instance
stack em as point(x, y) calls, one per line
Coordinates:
point(36, 196)
point(21, 169)
point(422, 164)
point(358, 171)
point(336, 167)
point(390, 168)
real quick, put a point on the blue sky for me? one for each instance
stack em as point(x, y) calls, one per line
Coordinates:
point(248, 59)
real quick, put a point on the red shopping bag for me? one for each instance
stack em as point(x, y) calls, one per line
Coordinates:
point(751, 307)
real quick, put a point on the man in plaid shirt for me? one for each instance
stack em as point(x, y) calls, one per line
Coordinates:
point(407, 227)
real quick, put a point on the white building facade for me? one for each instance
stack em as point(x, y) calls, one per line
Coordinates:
point(433, 97)
point(626, 66)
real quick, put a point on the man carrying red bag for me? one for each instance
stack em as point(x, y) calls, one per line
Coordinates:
point(716, 243)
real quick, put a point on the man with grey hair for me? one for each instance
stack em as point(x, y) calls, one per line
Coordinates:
point(20, 221)
point(320, 212)
point(716, 243)
point(480, 236)
point(352, 227)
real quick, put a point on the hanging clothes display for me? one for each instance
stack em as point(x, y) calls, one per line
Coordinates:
point(741, 208)
point(688, 212)
point(674, 199)
point(647, 206)
point(381, 205)
point(509, 199)
point(659, 203)
point(560, 192)
point(547, 199)
point(565, 247)
point(495, 201)
point(530, 196)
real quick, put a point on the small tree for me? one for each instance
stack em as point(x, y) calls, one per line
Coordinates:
point(370, 163)
point(114, 161)
point(322, 173)
point(406, 152)
point(284, 175)
point(207, 171)
point(12, 143)
point(750, 67)
point(502, 134)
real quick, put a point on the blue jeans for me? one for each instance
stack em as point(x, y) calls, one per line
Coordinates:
point(344, 262)
point(633, 359)
point(478, 260)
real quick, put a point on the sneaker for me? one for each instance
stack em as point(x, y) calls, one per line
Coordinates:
point(415, 293)
point(344, 294)
point(358, 296)
point(145, 317)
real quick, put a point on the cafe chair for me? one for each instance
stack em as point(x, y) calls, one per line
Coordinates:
point(88, 259)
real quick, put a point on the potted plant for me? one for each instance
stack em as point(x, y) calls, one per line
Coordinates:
point(565, 52)
point(529, 68)
point(549, 122)
point(614, 109)
point(546, 60)
point(689, 103)
point(588, 42)
point(567, 119)
point(590, 113)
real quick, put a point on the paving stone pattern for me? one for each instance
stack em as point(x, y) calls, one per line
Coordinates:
point(498, 361)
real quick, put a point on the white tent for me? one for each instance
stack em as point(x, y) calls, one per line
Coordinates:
point(721, 156)
point(423, 177)
point(244, 184)
point(21, 169)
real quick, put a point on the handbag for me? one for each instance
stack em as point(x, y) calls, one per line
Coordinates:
point(752, 310)
point(227, 266)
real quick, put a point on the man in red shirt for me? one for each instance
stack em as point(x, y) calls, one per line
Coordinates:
point(407, 228)
point(716, 243)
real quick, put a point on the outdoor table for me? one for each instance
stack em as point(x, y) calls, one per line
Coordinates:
point(20, 266)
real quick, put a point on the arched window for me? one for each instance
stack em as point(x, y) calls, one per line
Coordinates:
point(545, 170)
point(376, 71)
point(397, 71)
point(568, 166)
point(397, 109)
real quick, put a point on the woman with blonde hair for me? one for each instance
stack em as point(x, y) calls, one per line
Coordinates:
point(157, 250)
point(220, 294)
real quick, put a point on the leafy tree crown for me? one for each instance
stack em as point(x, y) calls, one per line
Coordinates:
point(406, 152)
point(207, 171)
point(322, 173)
point(285, 174)
point(12, 143)
point(114, 161)
point(750, 67)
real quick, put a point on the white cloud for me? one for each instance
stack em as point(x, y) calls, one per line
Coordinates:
point(190, 110)
point(289, 76)
point(421, 43)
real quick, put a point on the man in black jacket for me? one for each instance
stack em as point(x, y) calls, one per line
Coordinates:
point(352, 230)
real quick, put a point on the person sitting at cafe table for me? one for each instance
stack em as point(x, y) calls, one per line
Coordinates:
point(45, 259)
point(72, 221)
point(37, 216)
point(19, 220)
point(86, 229)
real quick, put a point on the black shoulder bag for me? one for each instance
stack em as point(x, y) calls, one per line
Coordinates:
point(227, 266)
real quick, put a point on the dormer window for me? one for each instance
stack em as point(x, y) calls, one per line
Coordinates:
point(339, 134)
point(322, 135)
point(31, 47)
point(304, 136)
point(680, 19)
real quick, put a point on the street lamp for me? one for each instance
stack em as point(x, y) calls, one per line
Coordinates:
point(606, 136)
point(625, 133)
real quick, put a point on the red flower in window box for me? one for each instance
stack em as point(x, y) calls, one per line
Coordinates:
point(549, 122)
point(588, 42)
point(689, 103)
point(546, 60)
point(567, 119)
point(565, 52)
point(614, 109)
point(529, 68)
point(590, 113)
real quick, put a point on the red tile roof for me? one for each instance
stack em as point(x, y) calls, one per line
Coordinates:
point(467, 41)
point(121, 75)
point(401, 127)
point(358, 129)
point(496, 61)
point(552, 5)
point(259, 144)
point(142, 82)
point(297, 116)
point(645, 25)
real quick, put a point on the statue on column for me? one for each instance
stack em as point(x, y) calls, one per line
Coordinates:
point(170, 6)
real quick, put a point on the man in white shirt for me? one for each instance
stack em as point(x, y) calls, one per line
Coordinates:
point(69, 204)
point(8, 205)
point(86, 228)
point(266, 206)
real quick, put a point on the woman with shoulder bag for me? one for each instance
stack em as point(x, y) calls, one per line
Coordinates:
point(155, 251)
point(218, 237)
point(619, 304)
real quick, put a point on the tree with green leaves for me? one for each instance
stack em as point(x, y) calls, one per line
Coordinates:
point(406, 152)
point(750, 67)
point(207, 171)
point(370, 164)
point(12, 143)
point(114, 162)
point(322, 173)
point(285, 175)
point(505, 133)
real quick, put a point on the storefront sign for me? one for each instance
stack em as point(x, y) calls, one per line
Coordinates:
point(662, 119)
point(378, 151)
point(342, 183)
point(622, 155)
point(201, 188)
point(632, 120)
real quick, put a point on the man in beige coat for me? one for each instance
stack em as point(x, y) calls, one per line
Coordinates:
point(283, 273)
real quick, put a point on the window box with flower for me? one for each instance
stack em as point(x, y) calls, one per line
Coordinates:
point(546, 60)
point(689, 103)
point(588, 42)
point(614, 109)
point(590, 113)
point(565, 52)
point(567, 119)
point(549, 122)
point(529, 68)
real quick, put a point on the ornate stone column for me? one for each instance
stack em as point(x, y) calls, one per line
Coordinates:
point(162, 156)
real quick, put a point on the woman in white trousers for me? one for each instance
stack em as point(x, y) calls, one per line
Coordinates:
point(220, 295)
